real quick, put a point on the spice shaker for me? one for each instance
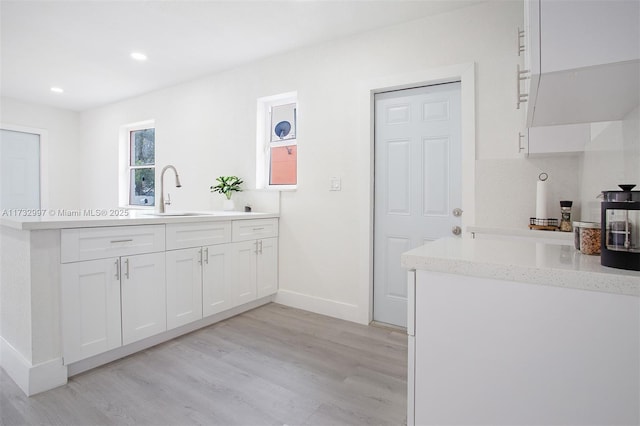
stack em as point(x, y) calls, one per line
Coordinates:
point(565, 222)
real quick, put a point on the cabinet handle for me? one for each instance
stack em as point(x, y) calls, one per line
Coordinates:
point(126, 262)
point(521, 46)
point(118, 269)
point(206, 255)
point(200, 257)
point(520, 146)
point(258, 229)
point(260, 246)
point(122, 241)
point(256, 251)
point(521, 75)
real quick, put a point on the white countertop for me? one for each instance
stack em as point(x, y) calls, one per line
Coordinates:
point(63, 219)
point(523, 261)
point(523, 232)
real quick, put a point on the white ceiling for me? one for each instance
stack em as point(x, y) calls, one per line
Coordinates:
point(84, 46)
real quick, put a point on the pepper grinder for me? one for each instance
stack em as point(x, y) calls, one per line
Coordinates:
point(565, 210)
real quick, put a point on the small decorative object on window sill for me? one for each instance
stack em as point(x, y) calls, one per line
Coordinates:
point(227, 185)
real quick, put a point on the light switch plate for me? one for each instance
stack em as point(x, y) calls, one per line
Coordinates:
point(335, 184)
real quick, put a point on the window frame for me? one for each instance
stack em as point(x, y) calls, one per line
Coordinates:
point(264, 144)
point(124, 194)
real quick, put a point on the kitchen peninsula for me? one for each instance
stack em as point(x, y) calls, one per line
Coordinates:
point(517, 332)
point(81, 291)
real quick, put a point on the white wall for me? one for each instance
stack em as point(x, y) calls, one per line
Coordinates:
point(63, 158)
point(506, 189)
point(206, 128)
point(611, 158)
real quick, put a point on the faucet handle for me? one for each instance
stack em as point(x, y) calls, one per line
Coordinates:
point(167, 202)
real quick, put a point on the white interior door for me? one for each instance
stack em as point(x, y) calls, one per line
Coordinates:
point(418, 181)
point(19, 170)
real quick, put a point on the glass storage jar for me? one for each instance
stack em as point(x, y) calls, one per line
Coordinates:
point(590, 235)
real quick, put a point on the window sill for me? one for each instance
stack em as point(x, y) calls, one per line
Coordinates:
point(279, 188)
point(142, 208)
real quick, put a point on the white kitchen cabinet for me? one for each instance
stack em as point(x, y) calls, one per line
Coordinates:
point(184, 286)
point(499, 352)
point(143, 296)
point(90, 296)
point(267, 267)
point(244, 263)
point(571, 138)
point(216, 279)
point(583, 59)
point(110, 302)
point(197, 234)
point(255, 269)
point(255, 259)
point(198, 283)
point(198, 276)
point(113, 241)
point(250, 230)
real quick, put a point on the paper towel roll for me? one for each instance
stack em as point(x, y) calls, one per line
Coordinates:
point(541, 200)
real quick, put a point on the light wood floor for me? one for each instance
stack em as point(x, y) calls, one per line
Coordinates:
point(271, 366)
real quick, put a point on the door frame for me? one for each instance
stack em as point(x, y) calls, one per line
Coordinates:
point(44, 157)
point(465, 73)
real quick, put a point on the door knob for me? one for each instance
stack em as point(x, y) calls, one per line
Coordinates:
point(457, 212)
point(456, 230)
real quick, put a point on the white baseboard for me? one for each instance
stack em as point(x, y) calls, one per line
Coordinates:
point(32, 379)
point(319, 305)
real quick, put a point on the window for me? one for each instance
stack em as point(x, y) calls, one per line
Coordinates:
point(277, 142)
point(138, 171)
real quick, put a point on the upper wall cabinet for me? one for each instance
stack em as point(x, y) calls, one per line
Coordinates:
point(583, 58)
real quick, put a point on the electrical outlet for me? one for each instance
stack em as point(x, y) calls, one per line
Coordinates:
point(335, 184)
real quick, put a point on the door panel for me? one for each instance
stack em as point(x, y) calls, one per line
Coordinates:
point(216, 279)
point(399, 177)
point(417, 183)
point(143, 296)
point(435, 166)
point(267, 267)
point(184, 286)
point(20, 170)
point(244, 272)
point(90, 308)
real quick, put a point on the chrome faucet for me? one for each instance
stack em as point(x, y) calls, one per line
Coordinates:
point(178, 185)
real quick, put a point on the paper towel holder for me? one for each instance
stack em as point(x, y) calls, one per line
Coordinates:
point(543, 223)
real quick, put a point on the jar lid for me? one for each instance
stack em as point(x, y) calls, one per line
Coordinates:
point(586, 225)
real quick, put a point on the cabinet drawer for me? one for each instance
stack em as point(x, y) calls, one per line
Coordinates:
point(185, 235)
point(99, 243)
point(245, 230)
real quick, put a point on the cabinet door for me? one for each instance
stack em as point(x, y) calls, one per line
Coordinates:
point(143, 296)
point(90, 308)
point(587, 33)
point(556, 139)
point(244, 272)
point(267, 267)
point(216, 279)
point(184, 286)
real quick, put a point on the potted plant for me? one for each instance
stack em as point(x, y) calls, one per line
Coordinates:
point(227, 185)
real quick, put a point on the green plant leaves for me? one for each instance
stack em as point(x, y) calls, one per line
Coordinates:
point(227, 185)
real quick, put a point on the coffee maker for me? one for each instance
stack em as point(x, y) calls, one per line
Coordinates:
point(620, 221)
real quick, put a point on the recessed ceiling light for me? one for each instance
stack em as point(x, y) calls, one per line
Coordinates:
point(139, 56)
point(57, 90)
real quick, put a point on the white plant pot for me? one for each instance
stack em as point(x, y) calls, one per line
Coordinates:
point(228, 205)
